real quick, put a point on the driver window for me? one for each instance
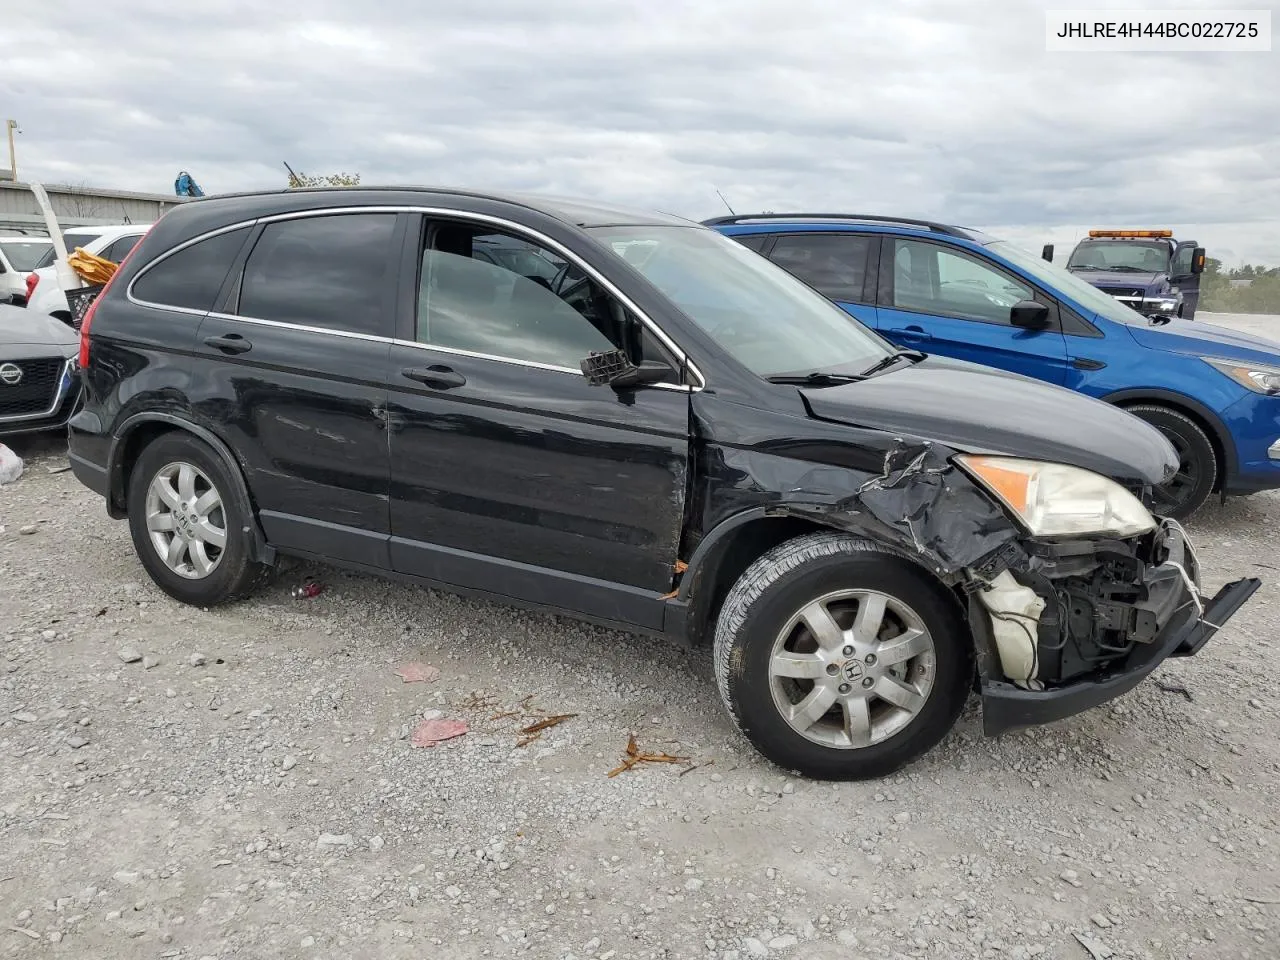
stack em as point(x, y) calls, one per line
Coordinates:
point(499, 295)
point(1182, 263)
point(932, 279)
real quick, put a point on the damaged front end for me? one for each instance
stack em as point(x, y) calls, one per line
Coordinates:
point(1061, 623)
point(1073, 624)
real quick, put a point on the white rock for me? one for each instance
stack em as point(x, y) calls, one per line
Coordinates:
point(197, 660)
point(376, 843)
point(754, 947)
point(784, 942)
point(693, 883)
point(289, 762)
point(129, 655)
point(336, 840)
point(127, 877)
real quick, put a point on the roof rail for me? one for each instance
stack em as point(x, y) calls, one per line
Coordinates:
point(870, 218)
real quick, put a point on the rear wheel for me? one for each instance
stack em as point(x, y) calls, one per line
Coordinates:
point(839, 660)
point(1197, 472)
point(187, 523)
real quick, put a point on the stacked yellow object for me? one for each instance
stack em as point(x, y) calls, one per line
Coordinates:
point(91, 268)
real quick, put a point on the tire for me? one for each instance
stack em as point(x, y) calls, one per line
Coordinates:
point(1198, 469)
point(754, 628)
point(204, 573)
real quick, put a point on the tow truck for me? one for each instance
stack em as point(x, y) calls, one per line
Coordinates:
point(1148, 270)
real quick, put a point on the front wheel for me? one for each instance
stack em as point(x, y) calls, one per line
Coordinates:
point(1197, 463)
point(187, 524)
point(839, 660)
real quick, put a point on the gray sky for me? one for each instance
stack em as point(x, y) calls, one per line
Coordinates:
point(951, 110)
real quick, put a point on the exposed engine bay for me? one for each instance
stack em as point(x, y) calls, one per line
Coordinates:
point(1067, 610)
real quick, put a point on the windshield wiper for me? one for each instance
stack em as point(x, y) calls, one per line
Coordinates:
point(1125, 268)
point(884, 363)
point(815, 379)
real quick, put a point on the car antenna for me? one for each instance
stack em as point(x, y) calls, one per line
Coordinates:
point(725, 202)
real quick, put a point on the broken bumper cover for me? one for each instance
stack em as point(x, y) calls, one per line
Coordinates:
point(1007, 707)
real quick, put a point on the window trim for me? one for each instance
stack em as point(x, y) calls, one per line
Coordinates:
point(426, 211)
point(866, 298)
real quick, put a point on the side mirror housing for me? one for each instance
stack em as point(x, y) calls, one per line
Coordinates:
point(615, 369)
point(1029, 315)
point(1198, 260)
point(1046, 253)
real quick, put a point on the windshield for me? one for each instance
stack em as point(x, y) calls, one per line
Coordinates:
point(1058, 279)
point(761, 315)
point(25, 255)
point(1126, 256)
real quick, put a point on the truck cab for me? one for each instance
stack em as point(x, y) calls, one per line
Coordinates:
point(1148, 270)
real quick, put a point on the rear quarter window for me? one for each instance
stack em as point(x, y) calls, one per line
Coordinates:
point(192, 277)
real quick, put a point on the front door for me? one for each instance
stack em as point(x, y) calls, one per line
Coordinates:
point(946, 301)
point(293, 373)
point(1185, 278)
point(510, 472)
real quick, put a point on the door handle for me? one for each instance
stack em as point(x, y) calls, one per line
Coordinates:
point(229, 343)
point(436, 375)
point(913, 333)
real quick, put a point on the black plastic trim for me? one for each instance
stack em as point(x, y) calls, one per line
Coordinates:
point(1006, 707)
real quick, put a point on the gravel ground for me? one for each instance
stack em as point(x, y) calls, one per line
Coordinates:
point(241, 782)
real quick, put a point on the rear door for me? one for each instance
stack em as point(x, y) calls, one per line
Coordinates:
point(840, 266)
point(292, 371)
point(943, 300)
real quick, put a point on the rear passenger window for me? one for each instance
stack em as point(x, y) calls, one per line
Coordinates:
point(834, 264)
point(329, 271)
point(120, 249)
point(192, 277)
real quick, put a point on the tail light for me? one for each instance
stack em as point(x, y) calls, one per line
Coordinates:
point(93, 307)
point(33, 281)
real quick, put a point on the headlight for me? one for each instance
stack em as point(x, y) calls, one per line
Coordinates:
point(1056, 500)
point(1255, 376)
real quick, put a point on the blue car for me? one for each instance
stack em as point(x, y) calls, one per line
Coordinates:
point(958, 293)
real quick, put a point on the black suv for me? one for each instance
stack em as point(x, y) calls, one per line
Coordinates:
point(664, 433)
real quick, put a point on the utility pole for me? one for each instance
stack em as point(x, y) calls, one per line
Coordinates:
point(11, 126)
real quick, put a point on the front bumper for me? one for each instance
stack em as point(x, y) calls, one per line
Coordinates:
point(1182, 632)
point(65, 402)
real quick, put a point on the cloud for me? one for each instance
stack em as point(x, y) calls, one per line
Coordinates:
point(916, 108)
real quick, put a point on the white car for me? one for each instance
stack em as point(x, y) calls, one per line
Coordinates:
point(109, 242)
point(19, 255)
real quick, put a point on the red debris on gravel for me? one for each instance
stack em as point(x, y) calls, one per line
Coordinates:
point(430, 732)
point(418, 673)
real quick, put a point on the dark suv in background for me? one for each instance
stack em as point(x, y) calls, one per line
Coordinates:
point(629, 418)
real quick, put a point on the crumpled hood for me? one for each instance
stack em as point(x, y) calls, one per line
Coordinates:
point(1119, 278)
point(1199, 339)
point(978, 410)
point(20, 326)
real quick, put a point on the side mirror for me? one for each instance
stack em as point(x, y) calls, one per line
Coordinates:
point(1198, 260)
point(1046, 253)
point(1029, 315)
point(616, 369)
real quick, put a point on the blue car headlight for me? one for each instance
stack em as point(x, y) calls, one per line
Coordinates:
point(1257, 377)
